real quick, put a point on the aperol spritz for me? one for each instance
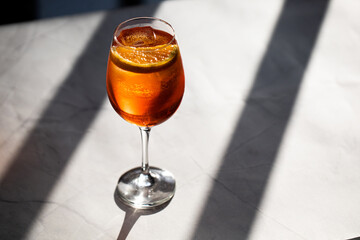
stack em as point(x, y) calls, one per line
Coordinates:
point(145, 85)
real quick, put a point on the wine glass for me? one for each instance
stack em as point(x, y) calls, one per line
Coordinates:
point(145, 85)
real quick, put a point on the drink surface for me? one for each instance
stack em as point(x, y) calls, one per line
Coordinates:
point(145, 78)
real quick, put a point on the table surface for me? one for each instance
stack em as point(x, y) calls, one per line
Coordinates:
point(265, 145)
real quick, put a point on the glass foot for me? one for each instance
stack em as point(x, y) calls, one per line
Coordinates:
point(140, 190)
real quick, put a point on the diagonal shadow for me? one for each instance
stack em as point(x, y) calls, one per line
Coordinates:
point(41, 160)
point(235, 198)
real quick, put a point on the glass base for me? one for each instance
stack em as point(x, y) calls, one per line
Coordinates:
point(140, 190)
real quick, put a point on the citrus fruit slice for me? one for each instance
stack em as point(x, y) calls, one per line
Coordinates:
point(143, 59)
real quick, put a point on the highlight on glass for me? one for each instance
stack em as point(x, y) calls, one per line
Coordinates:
point(145, 85)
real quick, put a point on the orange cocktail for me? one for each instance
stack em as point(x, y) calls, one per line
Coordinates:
point(145, 84)
point(145, 77)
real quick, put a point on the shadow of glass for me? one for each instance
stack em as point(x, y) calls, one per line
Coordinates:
point(241, 180)
point(45, 153)
point(133, 214)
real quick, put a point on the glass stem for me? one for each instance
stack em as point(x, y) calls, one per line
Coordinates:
point(145, 134)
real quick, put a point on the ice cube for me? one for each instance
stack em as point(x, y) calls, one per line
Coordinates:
point(138, 37)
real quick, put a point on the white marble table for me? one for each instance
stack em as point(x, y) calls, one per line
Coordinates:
point(266, 143)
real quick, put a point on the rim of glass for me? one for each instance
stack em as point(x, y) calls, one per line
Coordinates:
point(145, 18)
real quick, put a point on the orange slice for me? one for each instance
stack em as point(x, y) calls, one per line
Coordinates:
point(143, 59)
